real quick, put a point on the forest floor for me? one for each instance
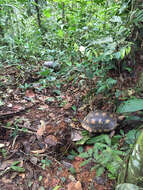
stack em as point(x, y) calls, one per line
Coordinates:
point(36, 128)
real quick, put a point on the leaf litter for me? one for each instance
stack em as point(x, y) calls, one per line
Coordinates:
point(35, 133)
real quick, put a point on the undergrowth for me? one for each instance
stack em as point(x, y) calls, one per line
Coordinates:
point(105, 153)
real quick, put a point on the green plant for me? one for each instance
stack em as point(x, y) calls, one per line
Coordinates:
point(15, 131)
point(46, 163)
point(72, 170)
point(16, 127)
point(57, 187)
point(104, 155)
point(131, 105)
point(103, 86)
point(4, 152)
point(16, 168)
point(25, 86)
point(40, 178)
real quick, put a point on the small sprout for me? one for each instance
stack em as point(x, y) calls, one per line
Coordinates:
point(40, 178)
point(72, 170)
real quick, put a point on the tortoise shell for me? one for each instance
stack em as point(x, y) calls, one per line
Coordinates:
point(99, 121)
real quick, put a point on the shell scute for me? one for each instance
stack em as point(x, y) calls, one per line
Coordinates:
point(99, 121)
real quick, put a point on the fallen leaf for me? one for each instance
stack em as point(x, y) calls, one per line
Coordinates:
point(2, 145)
point(67, 164)
point(34, 160)
point(41, 129)
point(51, 140)
point(17, 108)
point(55, 181)
point(76, 135)
point(71, 178)
point(67, 106)
point(52, 115)
point(9, 105)
point(39, 151)
point(22, 175)
point(30, 93)
point(77, 158)
point(43, 107)
point(26, 146)
point(82, 108)
point(69, 98)
point(74, 186)
point(6, 164)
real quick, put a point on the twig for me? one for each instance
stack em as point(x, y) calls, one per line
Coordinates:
point(5, 171)
point(19, 130)
point(9, 115)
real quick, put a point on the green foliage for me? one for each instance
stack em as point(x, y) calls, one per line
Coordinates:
point(128, 186)
point(20, 35)
point(40, 178)
point(3, 152)
point(46, 163)
point(16, 168)
point(105, 155)
point(105, 85)
point(25, 86)
point(87, 38)
point(72, 170)
point(131, 137)
point(57, 187)
point(94, 31)
point(131, 105)
point(15, 131)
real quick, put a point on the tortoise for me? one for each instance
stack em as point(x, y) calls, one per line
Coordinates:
point(100, 121)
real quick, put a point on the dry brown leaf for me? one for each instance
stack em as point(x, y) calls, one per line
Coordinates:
point(74, 186)
point(30, 93)
point(51, 140)
point(22, 175)
point(41, 129)
point(6, 164)
point(67, 106)
point(69, 98)
point(17, 107)
point(43, 107)
point(39, 151)
point(76, 135)
point(52, 115)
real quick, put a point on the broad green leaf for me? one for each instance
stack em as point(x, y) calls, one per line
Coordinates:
point(74, 108)
point(117, 55)
point(84, 155)
point(83, 140)
point(46, 72)
point(100, 171)
point(131, 136)
point(50, 99)
point(47, 13)
point(60, 33)
point(85, 162)
point(80, 149)
point(108, 140)
point(128, 49)
point(123, 52)
point(17, 169)
point(131, 106)
point(72, 170)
